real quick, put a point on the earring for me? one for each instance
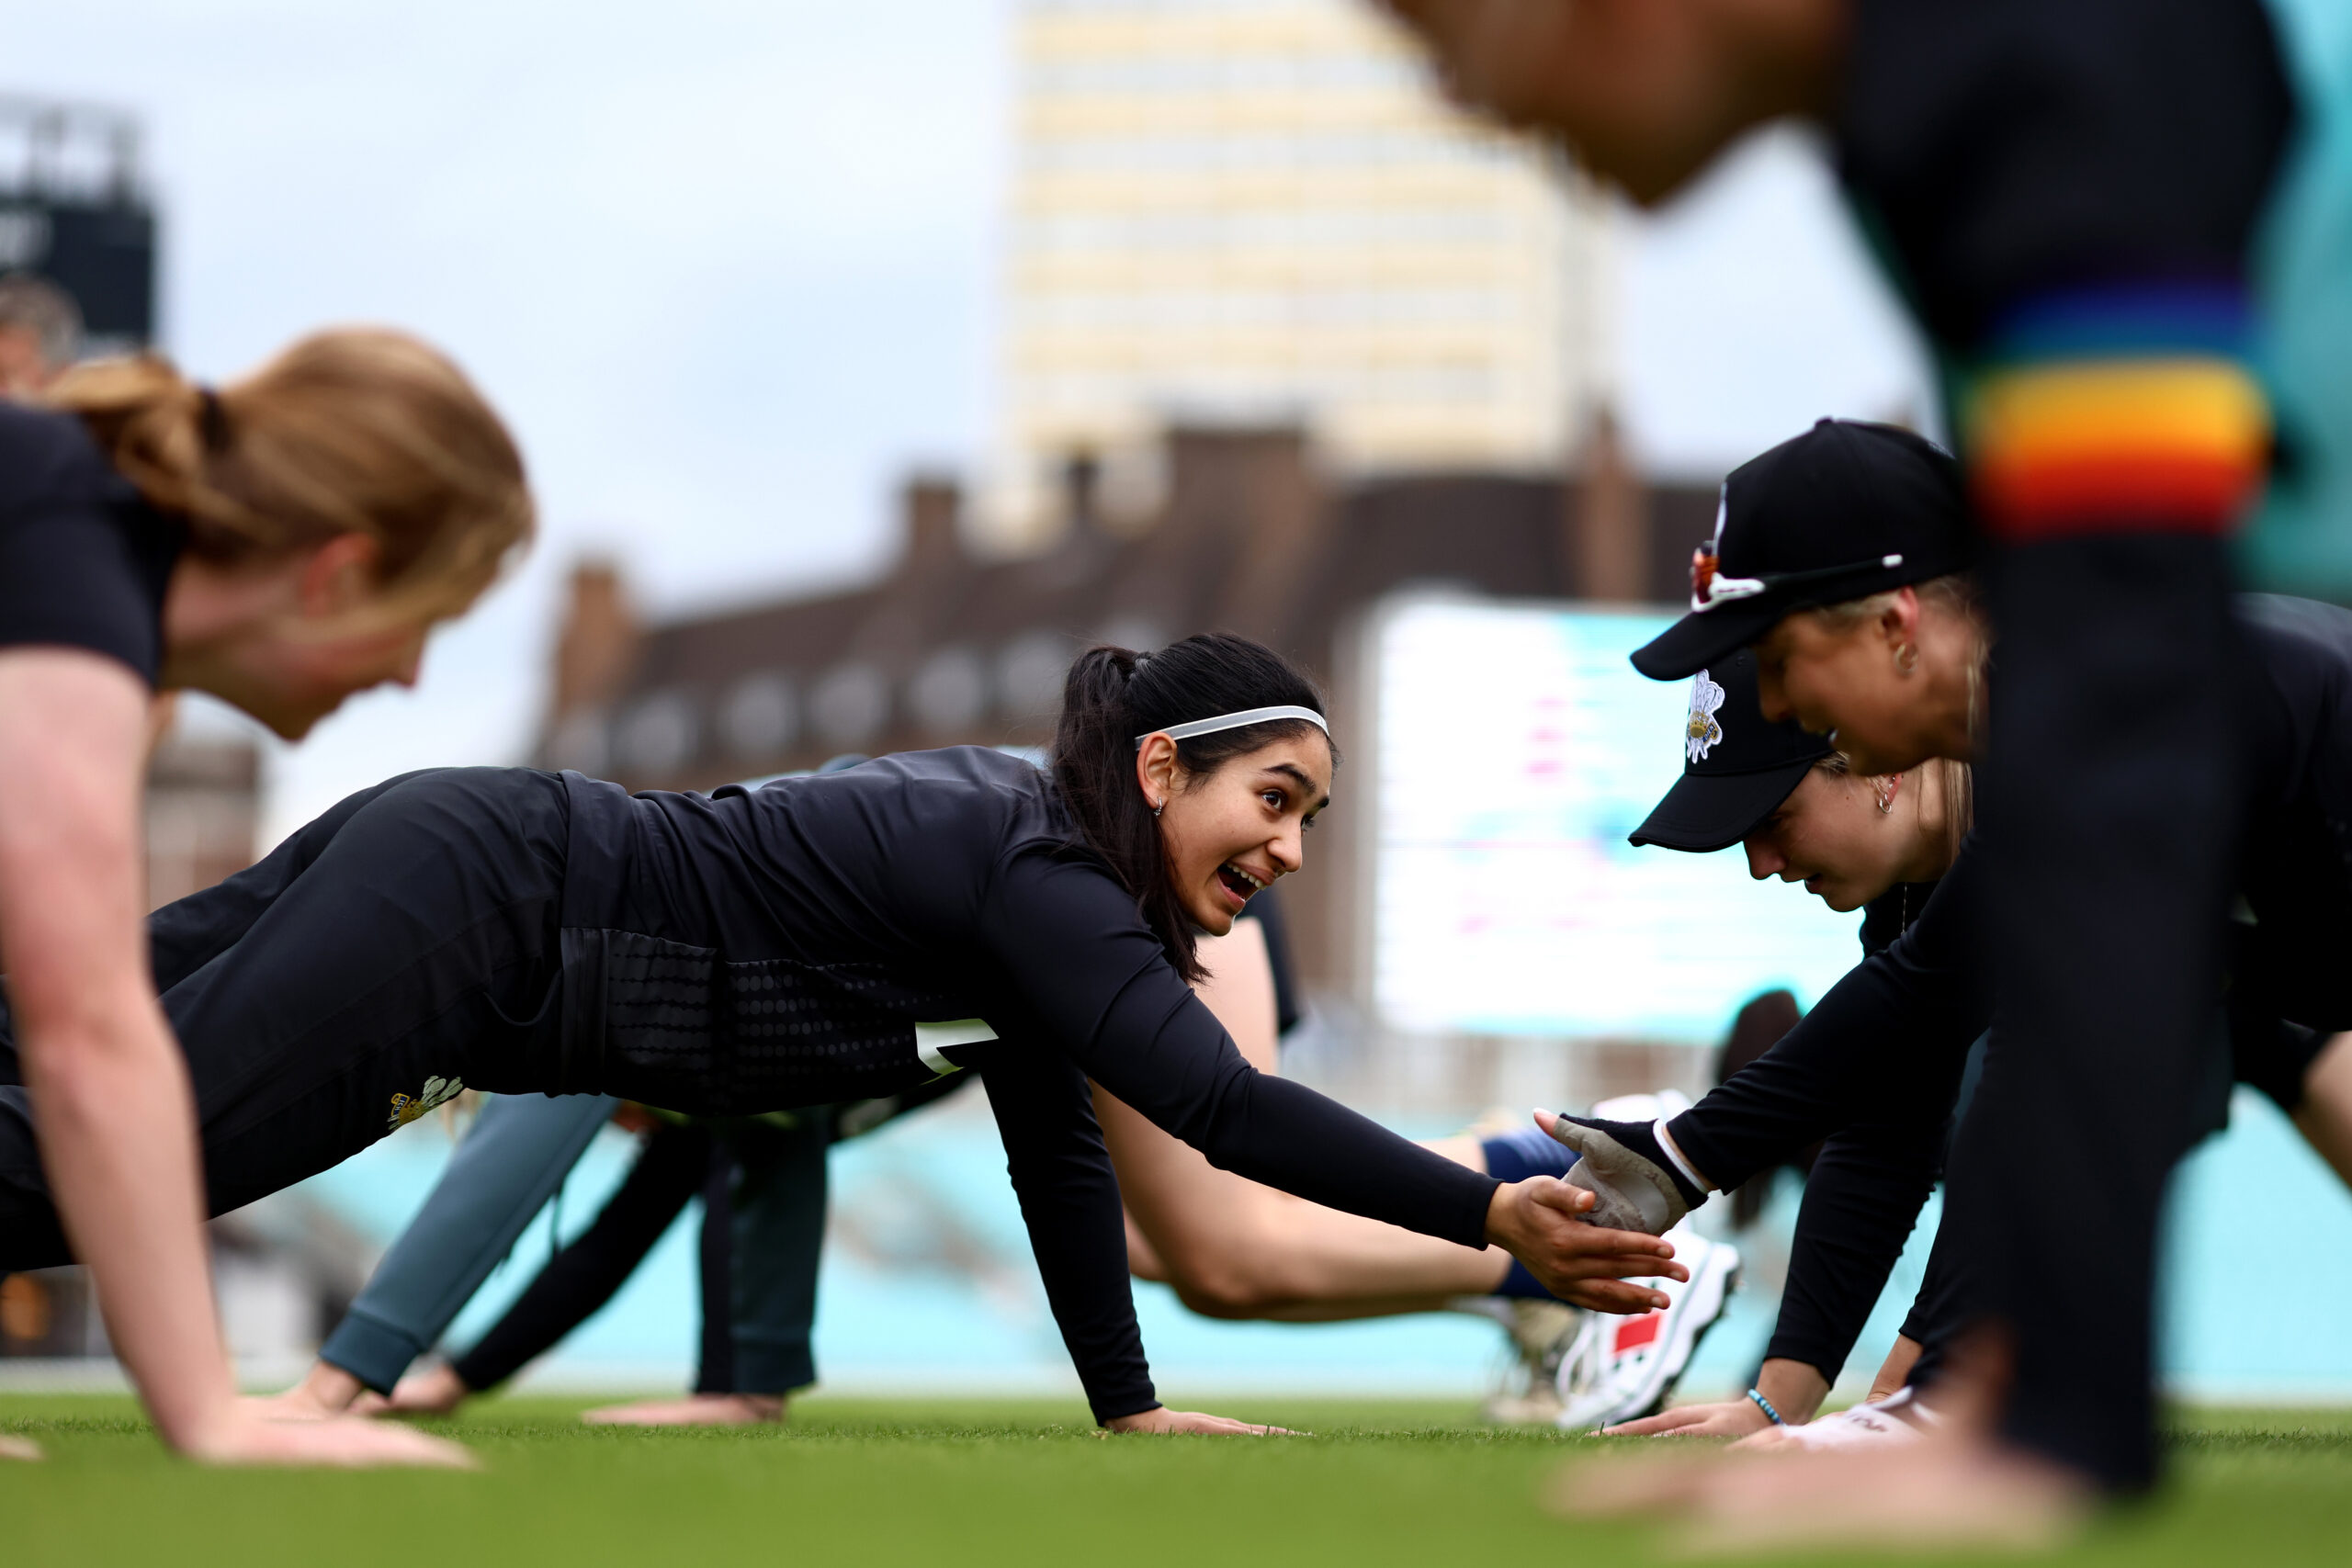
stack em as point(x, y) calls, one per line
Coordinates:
point(1157, 809)
point(1907, 659)
point(1886, 789)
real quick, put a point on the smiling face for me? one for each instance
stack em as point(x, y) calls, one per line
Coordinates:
point(1890, 685)
point(1230, 832)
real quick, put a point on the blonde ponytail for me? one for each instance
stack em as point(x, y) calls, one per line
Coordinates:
point(351, 431)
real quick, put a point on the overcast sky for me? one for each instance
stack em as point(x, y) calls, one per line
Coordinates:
point(729, 267)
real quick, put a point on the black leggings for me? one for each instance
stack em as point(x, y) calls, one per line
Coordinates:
point(401, 944)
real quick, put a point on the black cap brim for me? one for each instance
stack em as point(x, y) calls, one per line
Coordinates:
point(1707, 636)
point(1706, 812)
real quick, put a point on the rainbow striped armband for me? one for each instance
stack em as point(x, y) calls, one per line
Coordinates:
point(2115, 411)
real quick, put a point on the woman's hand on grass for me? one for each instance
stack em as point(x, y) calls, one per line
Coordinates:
point(1159, 1418)
point(1732, 1418)
point(1541, 1222)
point(243, 1437)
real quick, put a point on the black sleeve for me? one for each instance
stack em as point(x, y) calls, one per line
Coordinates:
point(1886, 1045)
point(1070, 1200)
point(2002, 150)
point(1940, 1308)
point(83, 562)
point(1088, 970)
point(1860, 1202)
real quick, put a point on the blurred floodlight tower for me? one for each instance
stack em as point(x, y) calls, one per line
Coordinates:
point(1253, 210)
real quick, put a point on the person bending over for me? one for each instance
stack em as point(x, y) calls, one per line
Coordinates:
point(280, 543)
point(1881, 845)
point(1901, 674)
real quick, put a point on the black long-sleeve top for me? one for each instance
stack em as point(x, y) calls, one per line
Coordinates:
point(1874, 1069)
point(833, 938)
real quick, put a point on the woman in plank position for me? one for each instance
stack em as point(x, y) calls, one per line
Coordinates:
point(818, 941)
point(280, 543)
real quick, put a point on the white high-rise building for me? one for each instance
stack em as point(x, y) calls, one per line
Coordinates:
point(1249, 209)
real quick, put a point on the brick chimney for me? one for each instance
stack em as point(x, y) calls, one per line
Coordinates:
point(598, 647)
point(1608, 522)
point(1253, 496)
point(931, 504)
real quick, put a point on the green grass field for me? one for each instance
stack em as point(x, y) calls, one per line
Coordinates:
point(960, 1482)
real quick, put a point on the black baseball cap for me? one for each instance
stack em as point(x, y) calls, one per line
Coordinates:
point(1844, 511)
point(1737, 768)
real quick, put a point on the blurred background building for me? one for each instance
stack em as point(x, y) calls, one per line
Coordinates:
point(1261, 212)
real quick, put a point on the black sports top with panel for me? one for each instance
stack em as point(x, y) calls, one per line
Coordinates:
point(846, 936)
point(84, 560)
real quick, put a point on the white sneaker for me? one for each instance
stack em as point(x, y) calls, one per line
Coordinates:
point(1664, 1105)
point(1891, 1421)
point(1621, 1367)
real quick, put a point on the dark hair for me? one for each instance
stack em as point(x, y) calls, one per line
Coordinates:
point(1757, 1030)
point(1113, 694)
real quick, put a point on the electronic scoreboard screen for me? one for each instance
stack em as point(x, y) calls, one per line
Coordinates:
point(1514, 749)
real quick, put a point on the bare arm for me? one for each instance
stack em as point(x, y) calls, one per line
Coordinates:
point(118, 1123)
point(1235, 1249)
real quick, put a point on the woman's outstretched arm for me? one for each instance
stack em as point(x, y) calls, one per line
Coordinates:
point(1096, 984)
point(1234, 1248)
point(118, 1123)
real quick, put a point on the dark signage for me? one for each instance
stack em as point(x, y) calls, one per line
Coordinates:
point(101, 252)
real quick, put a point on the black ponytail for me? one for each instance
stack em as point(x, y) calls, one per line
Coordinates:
point(1113, 694)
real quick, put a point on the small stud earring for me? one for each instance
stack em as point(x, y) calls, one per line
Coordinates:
point(1885, 791)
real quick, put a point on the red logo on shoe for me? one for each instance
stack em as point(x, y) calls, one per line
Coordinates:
point(1635, 1333)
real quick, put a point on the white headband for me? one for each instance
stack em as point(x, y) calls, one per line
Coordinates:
point(1235, 721)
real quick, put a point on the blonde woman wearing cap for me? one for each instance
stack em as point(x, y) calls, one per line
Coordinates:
point(1902, 673)
point(821, 939)
point(1800, 812)
point(280, 544)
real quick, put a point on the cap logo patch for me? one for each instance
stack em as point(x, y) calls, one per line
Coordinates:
point(1709, 587)
point(1702, 731)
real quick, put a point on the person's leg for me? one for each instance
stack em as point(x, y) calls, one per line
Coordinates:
point(778, 1236)
point(513, 1158)
point(773, 1234)
point(416, 950)
point(585, 1274)
point(2110, 807)
point(1233, 1249)
point(714, 1367)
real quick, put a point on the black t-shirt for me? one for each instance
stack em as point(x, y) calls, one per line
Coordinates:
point(2001, 150)
point(84, 560)
point(840, 937)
